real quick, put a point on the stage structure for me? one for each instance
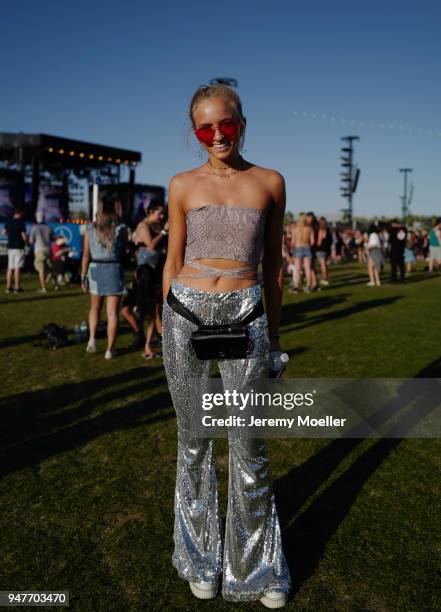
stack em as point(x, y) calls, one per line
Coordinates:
point(40, 158)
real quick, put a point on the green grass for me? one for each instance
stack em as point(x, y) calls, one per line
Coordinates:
point(89, 461)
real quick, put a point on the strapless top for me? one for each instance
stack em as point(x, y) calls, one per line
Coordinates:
point(225, 231)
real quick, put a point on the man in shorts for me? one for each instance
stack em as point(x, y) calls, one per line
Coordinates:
point(15, 229)
point(40, 237)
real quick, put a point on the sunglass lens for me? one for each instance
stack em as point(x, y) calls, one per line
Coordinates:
point(229, 128)
point(205, 135)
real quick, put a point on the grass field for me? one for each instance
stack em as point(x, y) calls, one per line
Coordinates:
point(88, 461)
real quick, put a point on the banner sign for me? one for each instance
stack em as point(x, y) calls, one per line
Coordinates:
point(53, 203)
point(72, 232)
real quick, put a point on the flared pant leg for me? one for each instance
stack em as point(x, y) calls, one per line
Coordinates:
point(197, 529)
point(253, 561)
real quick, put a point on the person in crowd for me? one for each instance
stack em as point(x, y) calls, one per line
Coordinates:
point(435, 245)
point(374, 257)
point(59, 254)
point(422, 246)
point(385, 239)
point(337, 245)
point(397, 244)
point(314, 225)
point(215, 242)
point(302, 240)
point(286, 252)
point(133, 305)
point(409, 251)
point(323, 249)
point(15, 230)
point(145, 295)
point(102, 271)
point(359, 246)
point(41, 238)
point(291, 265)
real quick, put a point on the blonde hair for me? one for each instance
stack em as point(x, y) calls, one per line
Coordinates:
point(219, 91)
point(302, 220)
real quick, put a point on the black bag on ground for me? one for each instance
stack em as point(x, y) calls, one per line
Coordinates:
point(227, 341)
point(53, 336)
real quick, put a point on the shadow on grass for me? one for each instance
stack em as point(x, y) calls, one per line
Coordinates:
point(305, 538)
point(340, 314)
point(412, 278)
point(299, 310)
point(40, 297)
point(33, 340)
point(346, 281)
point(35, 426)
point(16, 340)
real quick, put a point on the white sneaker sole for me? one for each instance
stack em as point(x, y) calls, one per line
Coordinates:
point(276, 602)
point(208, 592)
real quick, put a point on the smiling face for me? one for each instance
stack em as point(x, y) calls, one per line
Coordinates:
point(219, 114)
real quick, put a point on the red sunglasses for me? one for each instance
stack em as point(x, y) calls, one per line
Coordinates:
point(205, 134)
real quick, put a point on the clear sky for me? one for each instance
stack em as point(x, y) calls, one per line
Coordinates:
point(122, 74)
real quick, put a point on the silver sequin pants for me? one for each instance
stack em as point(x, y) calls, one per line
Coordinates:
point(250, 561)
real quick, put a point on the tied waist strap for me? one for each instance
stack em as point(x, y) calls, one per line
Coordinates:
point(212, 271)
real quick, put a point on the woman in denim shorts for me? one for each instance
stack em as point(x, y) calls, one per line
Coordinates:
point(102, 273)
point(303, 238)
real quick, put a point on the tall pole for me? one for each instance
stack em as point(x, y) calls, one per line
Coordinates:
point(405, 208)
point(350, 176)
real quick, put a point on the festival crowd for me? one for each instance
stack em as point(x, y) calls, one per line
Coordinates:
point(310, 246)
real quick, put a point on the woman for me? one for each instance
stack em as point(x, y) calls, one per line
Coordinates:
point(323, 249)
point(102, 273)
point(375, 257)
point(150, 240)
point(303, 239)
point(409, 251)
point(359, 245)
point(221, 215)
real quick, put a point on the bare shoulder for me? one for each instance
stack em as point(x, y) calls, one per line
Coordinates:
point(178, 189)
point(179, 181)
point(272, 179)
point(268, 174)
point(183, 181)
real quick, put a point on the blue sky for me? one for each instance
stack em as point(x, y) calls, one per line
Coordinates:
point(122, 74)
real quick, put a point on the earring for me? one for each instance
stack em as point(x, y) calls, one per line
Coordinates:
point(201, 152)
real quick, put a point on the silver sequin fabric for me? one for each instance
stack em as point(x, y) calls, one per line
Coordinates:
point(248, 559)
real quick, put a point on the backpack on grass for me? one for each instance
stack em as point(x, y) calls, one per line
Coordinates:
point(52, 336)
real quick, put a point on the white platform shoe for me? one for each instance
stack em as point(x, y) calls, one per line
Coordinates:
point(203, 590)
point(274, 600)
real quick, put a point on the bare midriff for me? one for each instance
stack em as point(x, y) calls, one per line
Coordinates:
point(217, 284)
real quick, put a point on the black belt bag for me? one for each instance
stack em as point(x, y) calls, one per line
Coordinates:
point(226, 341)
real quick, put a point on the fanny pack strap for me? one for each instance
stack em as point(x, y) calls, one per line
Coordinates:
point(178, 307)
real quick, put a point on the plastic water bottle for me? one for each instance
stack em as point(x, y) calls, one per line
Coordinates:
point(277, 361)
point(77, 334)
point(84, 330)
